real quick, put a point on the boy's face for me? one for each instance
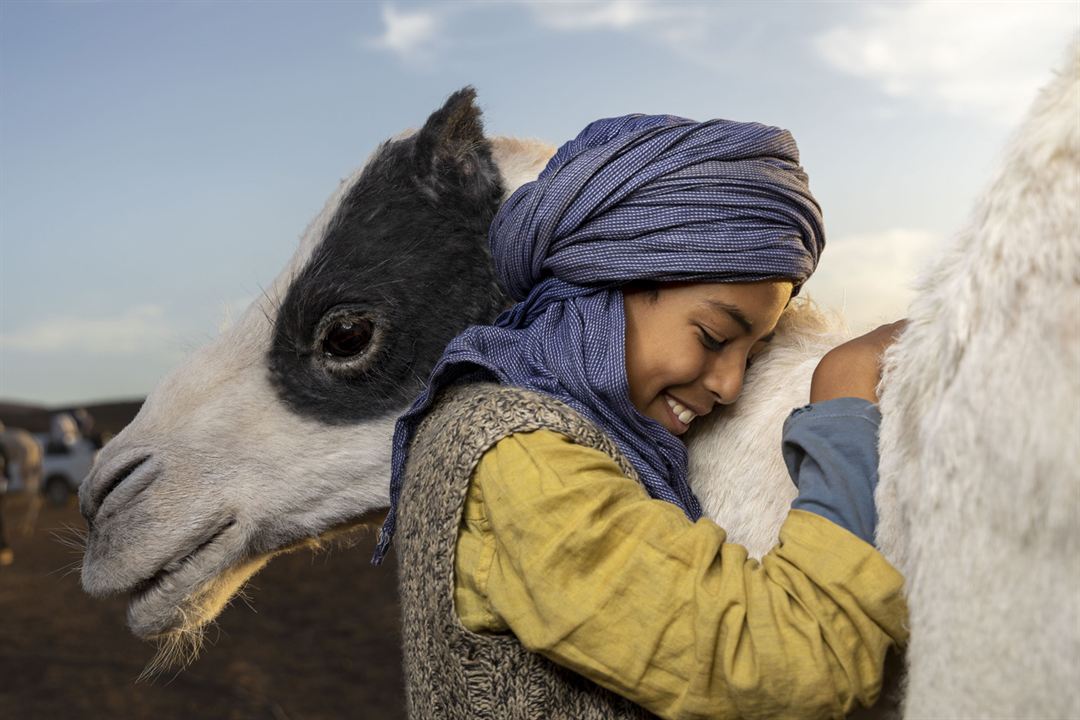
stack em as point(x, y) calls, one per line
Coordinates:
point(688, 345)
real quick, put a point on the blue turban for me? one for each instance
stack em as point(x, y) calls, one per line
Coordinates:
point(639, 197)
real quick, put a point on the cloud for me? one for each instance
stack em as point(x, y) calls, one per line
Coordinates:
point(869, 276)
point(610, 15)
point(416, 35)
point(672, 24)
point(136, 330)
point(408, 34)
point(967, 58)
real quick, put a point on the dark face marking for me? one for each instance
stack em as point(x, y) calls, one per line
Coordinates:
point(404, 267)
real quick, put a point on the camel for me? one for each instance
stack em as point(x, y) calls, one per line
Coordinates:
point(277, 434)
point(980, 440)
point(23, 460)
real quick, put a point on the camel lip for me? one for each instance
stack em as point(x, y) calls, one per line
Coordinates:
point(174, 582)
point(145, 586)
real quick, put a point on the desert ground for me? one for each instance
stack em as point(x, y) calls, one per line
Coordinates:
point(320, 639)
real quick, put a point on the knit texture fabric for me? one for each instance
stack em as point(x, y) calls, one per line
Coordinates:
point(452, 673)
point(639, 197)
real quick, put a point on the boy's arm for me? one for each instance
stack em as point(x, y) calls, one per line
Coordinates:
point(586, 569)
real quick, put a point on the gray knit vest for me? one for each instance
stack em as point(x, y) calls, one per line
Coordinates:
point(452, 673)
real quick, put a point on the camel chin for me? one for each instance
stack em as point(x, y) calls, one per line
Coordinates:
point(174, 609)
point(178, 628)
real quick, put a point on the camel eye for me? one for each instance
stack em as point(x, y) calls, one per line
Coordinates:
point(347, 337)
point(346, 340)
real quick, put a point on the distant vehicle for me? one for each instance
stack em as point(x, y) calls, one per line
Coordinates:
point(64, 466)
point(67, 460)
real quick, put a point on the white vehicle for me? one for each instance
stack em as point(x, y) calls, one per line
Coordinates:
point(64, 467)
point(65, 464)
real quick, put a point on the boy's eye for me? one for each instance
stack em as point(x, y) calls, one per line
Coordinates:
point(710, 342)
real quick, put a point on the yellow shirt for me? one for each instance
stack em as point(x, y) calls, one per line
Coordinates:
point(559, 547)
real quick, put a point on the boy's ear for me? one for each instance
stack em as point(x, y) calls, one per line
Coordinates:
point(451, 150)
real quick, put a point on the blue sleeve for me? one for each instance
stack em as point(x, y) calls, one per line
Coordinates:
point(830, 449)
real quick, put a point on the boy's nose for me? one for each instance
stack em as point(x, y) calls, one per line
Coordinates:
point(725, 380)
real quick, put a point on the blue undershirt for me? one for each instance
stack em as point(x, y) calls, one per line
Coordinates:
point(830, 449)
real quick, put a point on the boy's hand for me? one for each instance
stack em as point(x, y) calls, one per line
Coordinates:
point(854, 368)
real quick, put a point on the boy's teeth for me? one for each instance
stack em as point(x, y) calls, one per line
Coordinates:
point(684, 414)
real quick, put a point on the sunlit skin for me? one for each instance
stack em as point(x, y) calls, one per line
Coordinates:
point(690, 344)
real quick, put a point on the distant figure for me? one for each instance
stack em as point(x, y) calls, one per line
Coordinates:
point(22, 467)
point(22, 456)
point(63, 432)
point(85, 422)
point(7, 555)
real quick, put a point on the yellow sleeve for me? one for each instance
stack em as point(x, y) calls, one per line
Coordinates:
point(573, 557)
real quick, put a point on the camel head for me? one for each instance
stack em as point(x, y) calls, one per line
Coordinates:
point(278, 433)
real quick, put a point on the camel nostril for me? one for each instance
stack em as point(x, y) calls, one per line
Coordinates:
point(118, 477)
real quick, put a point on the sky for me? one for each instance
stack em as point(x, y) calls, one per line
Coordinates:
point(159, 161)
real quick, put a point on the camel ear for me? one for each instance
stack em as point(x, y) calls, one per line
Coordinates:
point(451, 147)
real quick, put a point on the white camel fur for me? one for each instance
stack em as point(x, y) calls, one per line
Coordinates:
point(979, 447)
point(980, 441)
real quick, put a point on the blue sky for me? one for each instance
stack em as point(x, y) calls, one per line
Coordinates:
point(158, 161)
